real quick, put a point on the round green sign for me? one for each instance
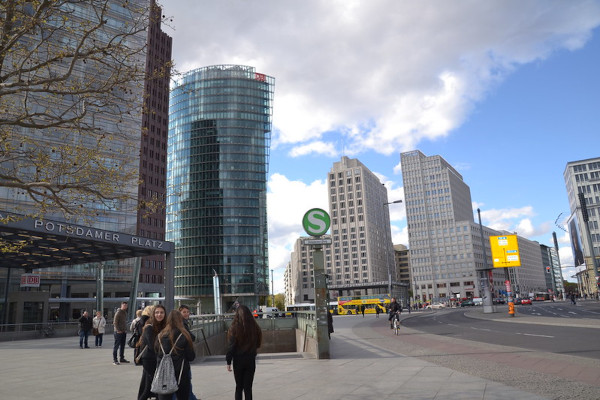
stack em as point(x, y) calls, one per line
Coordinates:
point(316, 222)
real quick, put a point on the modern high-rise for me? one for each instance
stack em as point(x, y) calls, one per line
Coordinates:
point(362, 251)
point(152, 190)
point(218, 154)
point(446, 246)
point(107, 126)
point(582, 181)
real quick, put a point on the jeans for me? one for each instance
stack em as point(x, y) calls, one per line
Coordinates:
point(99, 339)
point(83, 338)
point(119, 345)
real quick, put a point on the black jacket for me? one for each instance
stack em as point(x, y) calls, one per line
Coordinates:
point(86, 324)
point(183, 351)
point(395, 306)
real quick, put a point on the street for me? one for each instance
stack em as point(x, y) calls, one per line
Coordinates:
point(563, 338)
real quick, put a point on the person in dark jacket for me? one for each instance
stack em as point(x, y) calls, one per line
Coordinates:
point(174, 335)
point(85, 326)
point(394, 307)
point(147, 347)
point(244, 337)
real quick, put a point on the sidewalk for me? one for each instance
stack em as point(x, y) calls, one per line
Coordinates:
point(57, 368)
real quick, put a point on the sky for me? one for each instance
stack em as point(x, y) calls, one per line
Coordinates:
point(507, 91)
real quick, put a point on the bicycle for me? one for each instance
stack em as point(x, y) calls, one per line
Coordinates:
point(47, 331)
point(396, 323)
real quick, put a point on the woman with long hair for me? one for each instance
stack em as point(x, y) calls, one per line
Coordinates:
point(155, 323)
point(175, 336)
point(245, 337)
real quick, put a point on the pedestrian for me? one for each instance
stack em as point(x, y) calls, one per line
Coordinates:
point(120, 326)
point(174, 335)
point(185, 313)
point(244, 337)
point(362, 310)
point(573, 299)
point(99, 325)
point(329, 324)
point(138, 316)
point(154, 323)
point(138, 328)
point(377, 311)
point(85, 326)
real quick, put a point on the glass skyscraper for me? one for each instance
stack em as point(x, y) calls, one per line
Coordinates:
point(218, 153)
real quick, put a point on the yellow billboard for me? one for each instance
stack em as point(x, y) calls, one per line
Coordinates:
point(505, 251)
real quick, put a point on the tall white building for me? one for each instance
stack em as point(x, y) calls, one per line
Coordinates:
point(447, 247)
point(583, 177)
point(362, 250)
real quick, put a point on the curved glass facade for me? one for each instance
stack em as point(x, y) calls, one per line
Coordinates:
point(218, 153)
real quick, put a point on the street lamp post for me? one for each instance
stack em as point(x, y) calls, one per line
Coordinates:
point(388, 252)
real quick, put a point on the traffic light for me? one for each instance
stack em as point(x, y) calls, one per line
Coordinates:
point(547, 270)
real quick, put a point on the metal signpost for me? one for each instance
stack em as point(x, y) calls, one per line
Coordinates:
point(316, 222)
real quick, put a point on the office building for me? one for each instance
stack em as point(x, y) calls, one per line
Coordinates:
point(300, 272)
point(152, 190)
point(582, 181)
point(362, 253)
point(401, 265)
point(108, 124)
point(218, 153)
point(553, 271)
point(448, 250)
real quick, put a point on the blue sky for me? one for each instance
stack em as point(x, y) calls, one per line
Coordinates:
point(506, 91)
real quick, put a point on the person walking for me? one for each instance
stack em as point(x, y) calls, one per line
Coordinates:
point(244, 337)
point(99, 324)
point(175, 336)
point(85, 326)
point(147, 344)
point(377, 311)
point(120, 326)
point(185, 312)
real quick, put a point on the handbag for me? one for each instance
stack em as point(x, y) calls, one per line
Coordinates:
point(132, 342)
point(95, 331)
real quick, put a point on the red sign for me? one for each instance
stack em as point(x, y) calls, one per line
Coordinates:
point(30, 280)
point(260, 77)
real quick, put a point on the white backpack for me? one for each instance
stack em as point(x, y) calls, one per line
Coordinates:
point(164, 381)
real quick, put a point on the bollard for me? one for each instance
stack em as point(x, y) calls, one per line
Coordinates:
point(511, 309)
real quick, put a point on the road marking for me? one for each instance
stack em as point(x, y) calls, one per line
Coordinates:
point(481, 329)
point(531, 334)
point(572, 312)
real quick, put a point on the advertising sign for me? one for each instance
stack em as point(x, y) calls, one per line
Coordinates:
point(505, 251)
point(30, 280)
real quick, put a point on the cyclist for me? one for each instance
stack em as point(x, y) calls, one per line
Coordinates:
point(394, 307)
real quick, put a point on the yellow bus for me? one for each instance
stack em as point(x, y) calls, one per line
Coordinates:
point(348, 305)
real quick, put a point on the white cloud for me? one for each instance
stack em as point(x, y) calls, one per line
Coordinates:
point(386, 74)
point(316, 147)
point(287, 201)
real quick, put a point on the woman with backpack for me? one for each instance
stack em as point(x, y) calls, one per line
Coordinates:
point(155, 317)
point(245, 337)
point(176, 340)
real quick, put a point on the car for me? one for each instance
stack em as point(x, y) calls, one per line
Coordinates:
point(517, 301)
point(467, 303)
point(499, 300)
point(526, 301)
point(435, 306)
